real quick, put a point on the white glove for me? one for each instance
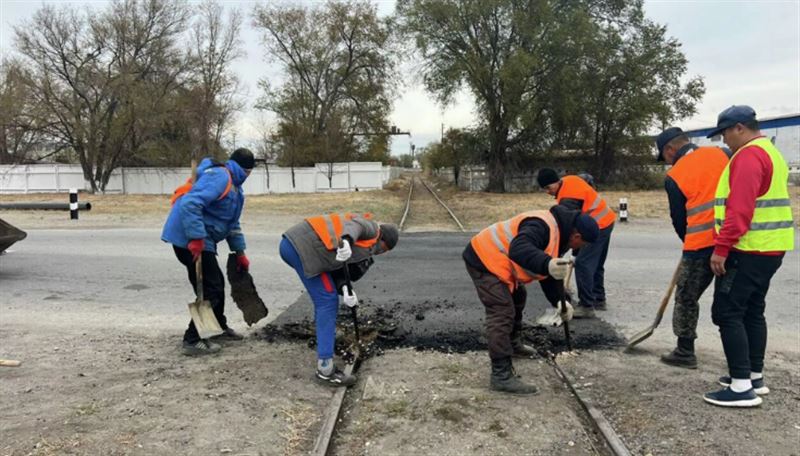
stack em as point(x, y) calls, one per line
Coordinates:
point(565, 314)
point(557, 268)
point(554, 317)
point(351, 300)
point(344, 252)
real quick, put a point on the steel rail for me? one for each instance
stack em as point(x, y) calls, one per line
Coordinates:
point(452, 215)
point(408, 205)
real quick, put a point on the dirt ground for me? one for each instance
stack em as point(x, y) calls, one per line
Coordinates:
point(89, 391)
point(431, 403)
point(639, 396)
point(98, 393)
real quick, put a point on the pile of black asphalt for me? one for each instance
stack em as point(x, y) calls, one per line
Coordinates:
point(419, 295)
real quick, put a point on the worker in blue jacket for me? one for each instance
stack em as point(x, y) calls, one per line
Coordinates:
point(203, 214)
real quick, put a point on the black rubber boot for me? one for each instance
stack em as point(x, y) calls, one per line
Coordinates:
point(521, 350)
point(682, 356)
point(503, 379)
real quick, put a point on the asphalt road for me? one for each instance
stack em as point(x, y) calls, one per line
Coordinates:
point(129, 280)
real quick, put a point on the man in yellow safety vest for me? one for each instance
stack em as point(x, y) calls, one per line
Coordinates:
point(753, 230)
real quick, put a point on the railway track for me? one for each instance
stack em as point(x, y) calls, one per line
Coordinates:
point(594, 420)
point(425, 209)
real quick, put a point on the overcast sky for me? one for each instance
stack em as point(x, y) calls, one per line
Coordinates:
point(748, 52)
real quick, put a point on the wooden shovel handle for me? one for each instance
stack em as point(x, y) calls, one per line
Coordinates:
point(668, 295)
point(198, 272)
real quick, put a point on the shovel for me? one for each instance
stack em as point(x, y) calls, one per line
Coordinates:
point(202, 315)
point(644, 334)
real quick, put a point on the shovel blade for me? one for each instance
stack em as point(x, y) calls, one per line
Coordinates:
point(204, 319)
point(640, 336)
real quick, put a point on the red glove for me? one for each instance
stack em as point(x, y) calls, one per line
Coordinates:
point(196, 247)
point(242, 263)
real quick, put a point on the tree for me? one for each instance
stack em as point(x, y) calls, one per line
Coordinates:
point(339, 73)
point(94, 75)
point(459, 147)
point(532, 65)
point(405, 161)
point(20, 132)
point(632, 84)
point(502, 50)
point(216, 45)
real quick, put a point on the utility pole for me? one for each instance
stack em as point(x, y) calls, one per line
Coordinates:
point(441, 138)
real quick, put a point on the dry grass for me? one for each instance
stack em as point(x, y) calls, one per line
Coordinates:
point(477, 210)
point(386, 205)
point(142, 211)
point(299, 421)
point(474, 209)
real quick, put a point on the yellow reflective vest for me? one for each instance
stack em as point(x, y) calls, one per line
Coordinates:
point(771, 228)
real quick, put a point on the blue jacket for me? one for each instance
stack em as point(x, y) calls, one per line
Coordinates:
point(200, 214)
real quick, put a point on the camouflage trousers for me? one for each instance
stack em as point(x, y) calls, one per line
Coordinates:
point(695, 276)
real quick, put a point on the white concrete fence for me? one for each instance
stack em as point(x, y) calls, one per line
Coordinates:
point(55, 178)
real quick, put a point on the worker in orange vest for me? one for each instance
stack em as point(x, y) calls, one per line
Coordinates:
point(690, 186)
point(504, 257)
point(575, 193)
point(318, 249)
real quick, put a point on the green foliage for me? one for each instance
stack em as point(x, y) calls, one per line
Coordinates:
point(552, 75)
point(337, 58)
point(460, 147)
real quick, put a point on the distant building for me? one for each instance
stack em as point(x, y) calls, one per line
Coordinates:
point(784, 131)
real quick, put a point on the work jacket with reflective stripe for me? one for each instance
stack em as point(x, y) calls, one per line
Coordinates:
point(696, 175)
point(330, 229)
point(771, 228)
point(573, 187)
point(317, 238)
point(493, 243)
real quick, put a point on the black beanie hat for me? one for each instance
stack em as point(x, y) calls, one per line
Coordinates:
point(244, 158)
point(546, 177)
point(389, 235)
point(587, 227)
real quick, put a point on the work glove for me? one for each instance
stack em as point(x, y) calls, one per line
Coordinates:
point(349, 297)
point(242, 263)
point(555, 317)
point(196, 247)
point(557, 268)
point(344, 252)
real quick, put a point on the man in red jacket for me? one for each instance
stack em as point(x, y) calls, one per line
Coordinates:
point(754, 229)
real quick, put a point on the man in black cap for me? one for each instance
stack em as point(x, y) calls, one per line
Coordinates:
point(204, 213)
point(574, 192)
point(754, 229)
point(501, 259)
point(690, 185)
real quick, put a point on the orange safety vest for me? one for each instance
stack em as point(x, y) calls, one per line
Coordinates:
point(696, 175)
point(593, 204)
point(184, 189)
point(329, 229)
point(492, 245)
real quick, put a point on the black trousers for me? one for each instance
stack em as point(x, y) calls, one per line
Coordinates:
point(738, 310)
point(503, 311)
point(213, 287)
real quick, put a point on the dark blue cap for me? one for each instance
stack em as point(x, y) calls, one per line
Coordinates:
point(732, 116)
point(664, 138)
point(587, 227)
